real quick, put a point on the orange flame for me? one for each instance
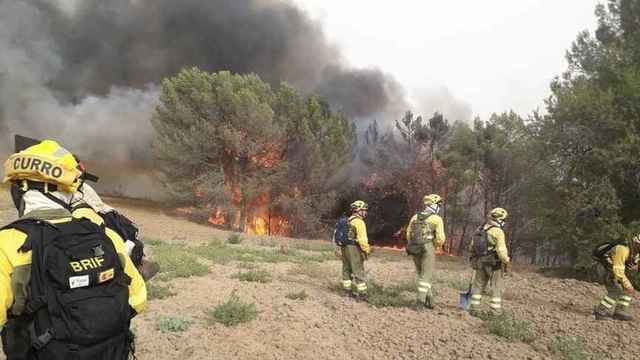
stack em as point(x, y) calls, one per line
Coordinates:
point(259, 218)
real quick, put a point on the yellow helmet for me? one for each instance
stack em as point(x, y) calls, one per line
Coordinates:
point(499, 214)
point(46, 162)
point(432, 199)
point(359, 205)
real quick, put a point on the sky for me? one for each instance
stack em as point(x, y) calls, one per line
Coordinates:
point(490, 56)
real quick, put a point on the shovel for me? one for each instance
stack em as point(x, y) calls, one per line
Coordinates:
point(465, 297)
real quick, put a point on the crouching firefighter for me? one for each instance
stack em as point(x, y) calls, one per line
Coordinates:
point(616, 257)
point(425, 234)
point(355, 250)
point(490, 260)
point(67, 288)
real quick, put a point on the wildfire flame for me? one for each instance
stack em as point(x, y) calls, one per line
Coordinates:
point(259, 217)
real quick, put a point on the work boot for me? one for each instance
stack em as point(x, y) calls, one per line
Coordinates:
point(601, 313)
point(363, 297)
point(421, 306)
point(619, 315)
point(428, 303)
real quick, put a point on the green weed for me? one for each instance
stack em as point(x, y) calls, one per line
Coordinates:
point(158, 291)
point(170, 324)
point(233, 312)
point(505, 326)
point(570, 347)
point(256, 275)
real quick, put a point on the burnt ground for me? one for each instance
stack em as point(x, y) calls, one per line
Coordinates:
point(556, 313)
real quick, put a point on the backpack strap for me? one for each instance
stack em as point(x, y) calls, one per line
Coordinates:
point(29, 226)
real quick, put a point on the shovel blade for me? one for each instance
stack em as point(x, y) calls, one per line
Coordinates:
point(464, 300)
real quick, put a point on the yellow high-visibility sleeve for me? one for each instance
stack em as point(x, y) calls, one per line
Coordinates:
point(6, 293)
point(361, 234)
point(88, 214)
point(619, 257)
point(438, 229)
point(497, 240)
point(137, 288)
point(10, 241)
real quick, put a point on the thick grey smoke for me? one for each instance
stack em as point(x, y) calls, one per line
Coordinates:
point(428, 101)
point(86, 71)
point(54, 54)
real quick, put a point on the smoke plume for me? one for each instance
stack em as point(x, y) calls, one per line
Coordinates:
point(86, 71)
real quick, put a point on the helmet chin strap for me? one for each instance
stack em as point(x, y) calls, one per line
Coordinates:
point(17, 195)
point(435, 208)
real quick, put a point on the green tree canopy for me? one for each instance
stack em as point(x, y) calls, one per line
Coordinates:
point(230, 141)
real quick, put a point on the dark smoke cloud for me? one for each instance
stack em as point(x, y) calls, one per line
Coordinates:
point(130, 43)
point(67, 65)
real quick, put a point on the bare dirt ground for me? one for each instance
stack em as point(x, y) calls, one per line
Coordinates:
point(329, 325)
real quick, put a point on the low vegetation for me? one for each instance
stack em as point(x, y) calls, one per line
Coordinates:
point(505, 326)
point(158, 291)
point(254, 275)
point(177, 261)
point(171, 324)
point(233, 312)
point(300, 295)
point(391, 296)
point(234, 238)
point(570, 348)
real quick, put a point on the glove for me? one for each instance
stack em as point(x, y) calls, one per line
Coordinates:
point(630, 291)
point(337, 252)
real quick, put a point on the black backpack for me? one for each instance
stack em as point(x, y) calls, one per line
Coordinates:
point(127, 230)
point(480, 242)
point(601, 251)
point(341, 232)
point(79, 292)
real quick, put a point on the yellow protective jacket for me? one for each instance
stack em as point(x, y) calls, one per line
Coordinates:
point(357, 224)
point(437, 225)
point(15, 267)
point(496, 239)
point(618, 257)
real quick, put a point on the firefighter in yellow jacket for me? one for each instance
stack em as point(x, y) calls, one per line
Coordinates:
point(355, 252)
point(425, 234)
point(43, 180)
point(616, 258)
point(490, 261)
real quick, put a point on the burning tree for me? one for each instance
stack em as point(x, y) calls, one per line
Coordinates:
point(255, 157)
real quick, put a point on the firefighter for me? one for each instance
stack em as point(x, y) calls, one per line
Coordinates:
point(616, 258)
point(425, 235)
point(491, 264)
point(355, 251)
point(43, 179)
